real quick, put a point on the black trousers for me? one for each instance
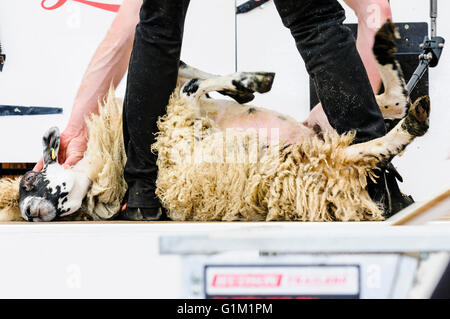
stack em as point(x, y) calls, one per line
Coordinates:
point(152, 77)
point(327, 47)
point(333, 62)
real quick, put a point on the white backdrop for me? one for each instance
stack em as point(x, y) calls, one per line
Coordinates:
point(48, 51)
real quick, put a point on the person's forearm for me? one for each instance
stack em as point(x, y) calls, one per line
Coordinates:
point(108, 65)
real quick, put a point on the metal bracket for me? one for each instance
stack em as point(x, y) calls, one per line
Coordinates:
point(431, 53)
point(9, 110)
point(431, 50)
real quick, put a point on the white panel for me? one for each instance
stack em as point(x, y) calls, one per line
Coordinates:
point(264, 44)
point(48, 52)
point(123, 260)
point(208, 42)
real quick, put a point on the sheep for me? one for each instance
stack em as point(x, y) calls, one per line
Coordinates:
point(207, 174)
point(218, 161)
point(93, 188)
point(215, 162)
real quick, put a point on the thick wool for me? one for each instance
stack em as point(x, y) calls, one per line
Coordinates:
point(106, 158)
point(311, 181)
point(9, 199)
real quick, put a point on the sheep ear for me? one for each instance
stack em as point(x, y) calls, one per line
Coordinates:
point(50, 142)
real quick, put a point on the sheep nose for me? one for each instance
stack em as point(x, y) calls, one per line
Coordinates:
point(28, 212)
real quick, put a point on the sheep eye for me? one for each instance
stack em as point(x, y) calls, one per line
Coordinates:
point(29, 177)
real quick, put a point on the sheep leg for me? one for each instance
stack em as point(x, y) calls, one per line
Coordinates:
point(187, 72)
point(385, 148)
point(240, 84)
point(394, 101)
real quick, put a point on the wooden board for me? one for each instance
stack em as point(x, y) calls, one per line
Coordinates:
point(436, 208)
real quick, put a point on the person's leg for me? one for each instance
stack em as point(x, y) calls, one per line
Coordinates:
point(371, 15)
point(332, 60)
point(152, 76)
point(329, 51)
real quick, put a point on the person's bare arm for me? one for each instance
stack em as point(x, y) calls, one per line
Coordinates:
point(371, 16)
point(108, 65)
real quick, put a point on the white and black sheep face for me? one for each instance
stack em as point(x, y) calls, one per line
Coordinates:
point(54, 192)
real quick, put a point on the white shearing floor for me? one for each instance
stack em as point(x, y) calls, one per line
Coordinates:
point(122, 259)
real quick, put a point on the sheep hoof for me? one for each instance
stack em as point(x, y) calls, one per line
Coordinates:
point(417, 120)
point(240, 97)
point(260, 82)
point(51, 134)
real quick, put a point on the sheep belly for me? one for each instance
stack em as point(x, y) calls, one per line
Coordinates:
point(268, 124)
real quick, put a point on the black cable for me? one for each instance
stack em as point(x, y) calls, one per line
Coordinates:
point(249, 6)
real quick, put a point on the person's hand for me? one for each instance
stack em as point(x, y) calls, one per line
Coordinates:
point(73, 144)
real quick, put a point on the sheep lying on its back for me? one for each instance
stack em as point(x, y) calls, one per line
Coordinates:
point(215, 163)
point(221, 160)
point(206, 173)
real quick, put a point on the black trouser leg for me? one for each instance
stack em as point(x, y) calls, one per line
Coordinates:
point(332, 60)
point(152, 76)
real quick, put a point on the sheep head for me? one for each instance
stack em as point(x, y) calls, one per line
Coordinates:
point(54, 192)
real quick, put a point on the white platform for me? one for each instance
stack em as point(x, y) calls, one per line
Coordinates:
point(123, 259)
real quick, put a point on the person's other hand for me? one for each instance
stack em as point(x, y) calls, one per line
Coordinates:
point(73, 144)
